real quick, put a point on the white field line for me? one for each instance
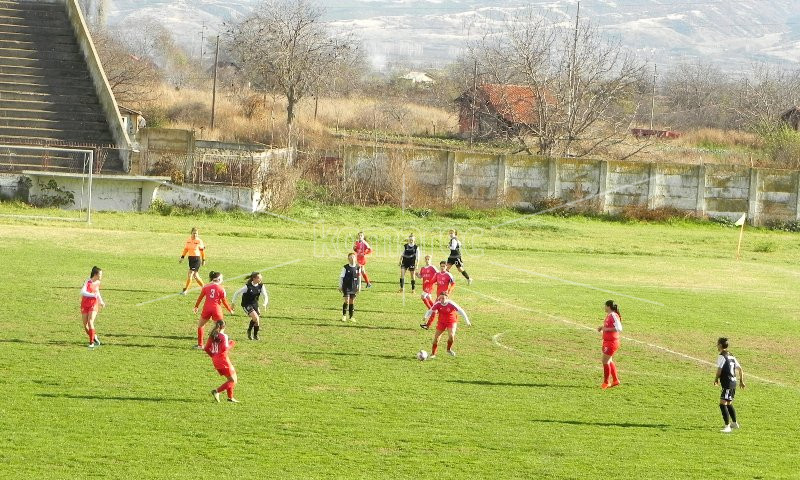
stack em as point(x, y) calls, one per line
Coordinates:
point(577, 284)
point(640, 342)
point(496, 341)
point(231, 278)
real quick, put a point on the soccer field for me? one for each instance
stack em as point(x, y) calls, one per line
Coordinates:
point(325, 399)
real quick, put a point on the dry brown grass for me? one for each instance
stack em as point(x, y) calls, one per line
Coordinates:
point(255, 117)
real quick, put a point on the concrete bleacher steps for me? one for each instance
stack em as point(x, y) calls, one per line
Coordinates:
point(47, 97)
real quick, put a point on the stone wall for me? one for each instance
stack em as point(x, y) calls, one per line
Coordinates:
point(520, 180)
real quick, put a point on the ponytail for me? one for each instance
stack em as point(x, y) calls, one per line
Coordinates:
point(613, 306)
point(95, 271)
point(213, 275)
point(215, 332)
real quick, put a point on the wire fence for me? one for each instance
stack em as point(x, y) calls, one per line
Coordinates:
point(236, 170)
point(16, 158)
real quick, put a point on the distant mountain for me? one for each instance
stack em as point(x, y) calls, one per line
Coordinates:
point(430, 33)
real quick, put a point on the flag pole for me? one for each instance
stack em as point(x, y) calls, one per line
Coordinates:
point(739, 247)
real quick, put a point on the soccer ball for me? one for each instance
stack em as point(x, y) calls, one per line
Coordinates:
point(422, 355)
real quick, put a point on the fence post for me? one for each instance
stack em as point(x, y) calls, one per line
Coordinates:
point(797, 209)
point(700, 208)
point(603, 184)
point(502, 184)
point(652, 185)
point(452, 194)
point(553, 187)
point(752, 198)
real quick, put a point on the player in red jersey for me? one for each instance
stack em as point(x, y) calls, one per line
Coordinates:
point(444, 280)
point(610, 329)
point(212, 309)
point(91, 302)
point(362, 249)
point(428, 276)
point(448, 320)
point(217, 348)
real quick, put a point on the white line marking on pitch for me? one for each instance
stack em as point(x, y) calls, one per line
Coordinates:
point(586, 327)
point(577, 284)
point(231, 278)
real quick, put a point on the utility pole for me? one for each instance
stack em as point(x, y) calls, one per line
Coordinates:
point(203, 43)
point(214, 94)
point(573, 60)
point(474, 99)
point(653, 106)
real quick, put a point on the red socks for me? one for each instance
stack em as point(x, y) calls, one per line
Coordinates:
point(449, 344)
point(226, 387)
point(364, 274)
point(200, 336)
point(613, 368)
point(91, 336)
point(430, 320)
point(428, 302)
point(434, 348)
point(606, 372)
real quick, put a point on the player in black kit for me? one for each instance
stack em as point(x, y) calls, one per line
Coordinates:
point(455, 256)
point(408, 263)
point(252, 291)
point(728, 368)
point(350, 285)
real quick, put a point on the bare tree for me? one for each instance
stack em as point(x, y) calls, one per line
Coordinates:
point(765, 94)
point(128, 64)
point(575, 83)
point(285, 46)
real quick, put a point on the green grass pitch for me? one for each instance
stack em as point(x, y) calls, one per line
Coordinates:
point(322, 399)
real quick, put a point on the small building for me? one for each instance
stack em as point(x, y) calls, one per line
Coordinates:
point(494, 110)
point(132, 120)
point(791, 118)
point(418, 78)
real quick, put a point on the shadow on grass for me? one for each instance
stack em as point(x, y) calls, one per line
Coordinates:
point(127, 290)
point(157, 337)
point(603, 424)
point(353, 325)
point(370, 355)
point(83, 344)
point(114, 397)
point(513, 384)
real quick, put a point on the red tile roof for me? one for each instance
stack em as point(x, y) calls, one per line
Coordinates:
point(515, 103)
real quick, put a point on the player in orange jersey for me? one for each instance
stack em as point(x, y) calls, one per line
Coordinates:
point(215, 298)
point(610, 329)
point(217, 348)
point(91, 302)
point(196, 250)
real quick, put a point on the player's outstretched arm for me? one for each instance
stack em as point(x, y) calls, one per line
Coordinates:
point(238, 293)
point(462, 313)
point(265, 294)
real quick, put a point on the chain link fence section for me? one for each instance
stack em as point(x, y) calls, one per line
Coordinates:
point(234, 170)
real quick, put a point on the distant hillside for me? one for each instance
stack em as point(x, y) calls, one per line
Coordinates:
point(433, 32)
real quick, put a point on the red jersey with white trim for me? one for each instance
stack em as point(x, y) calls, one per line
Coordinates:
point(218, 351)
point(214, 295)
point(90, 303)
point(444, 282)
point(362, 250)
point(614, 321)
point(448, 313)
point(428, 275)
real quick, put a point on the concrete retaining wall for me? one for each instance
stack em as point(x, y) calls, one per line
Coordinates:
point(485, 179)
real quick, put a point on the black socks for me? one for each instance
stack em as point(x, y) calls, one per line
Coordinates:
point(413, 284)
point(466, 275)
point(732, 413)
point(344, 308)
point(724, 410)
point(402, 281)
point(351, 309)
point(250, 327)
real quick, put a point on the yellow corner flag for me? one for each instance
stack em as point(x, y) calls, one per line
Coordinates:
point(740, 223)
